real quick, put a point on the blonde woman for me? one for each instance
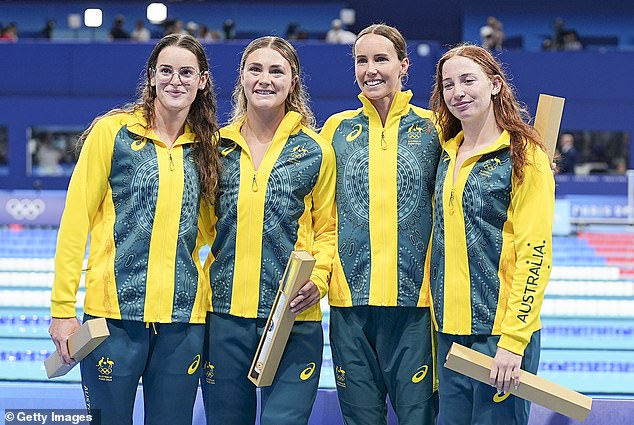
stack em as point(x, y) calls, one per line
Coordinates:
point(276, 195)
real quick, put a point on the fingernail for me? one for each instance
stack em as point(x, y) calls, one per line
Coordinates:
point(516, 386)
point(500, 393)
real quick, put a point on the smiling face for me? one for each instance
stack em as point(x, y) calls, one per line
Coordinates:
point(377, 67)
point(467, 90)
point(267, 79)
point(177, 79)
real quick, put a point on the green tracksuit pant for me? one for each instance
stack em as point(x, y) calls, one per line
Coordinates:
point(167, 356)
point(379, 351)
point(464, 401)
point(230, 398)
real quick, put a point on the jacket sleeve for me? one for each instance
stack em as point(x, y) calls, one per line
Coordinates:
point(88, 185)
point(323, 220)
point(533, 204)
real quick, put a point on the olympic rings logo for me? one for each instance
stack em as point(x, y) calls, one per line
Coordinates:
point(25, 209)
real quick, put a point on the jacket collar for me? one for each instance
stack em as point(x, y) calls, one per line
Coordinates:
point(137, 124)
point(291, 124)
point(501, 142)
point(399, 107)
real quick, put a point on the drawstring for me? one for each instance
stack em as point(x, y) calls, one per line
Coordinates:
point(147, 326)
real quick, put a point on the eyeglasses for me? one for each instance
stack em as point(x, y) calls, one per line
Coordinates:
point(187, 75)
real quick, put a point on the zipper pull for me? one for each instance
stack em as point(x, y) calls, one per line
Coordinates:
point(383, 142)
point(254, 184)
point(171, 162)
point(451, 207)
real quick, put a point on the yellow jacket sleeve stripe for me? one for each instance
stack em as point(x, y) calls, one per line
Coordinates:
point(532, 202)
point(87, 188)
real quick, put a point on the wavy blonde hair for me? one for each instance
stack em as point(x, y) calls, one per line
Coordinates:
point(510, 114)
point(297, 99)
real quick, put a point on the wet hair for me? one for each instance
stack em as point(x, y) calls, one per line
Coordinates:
point(297, 99)
point(391, 33)
point(201, 117)
point(510, 115)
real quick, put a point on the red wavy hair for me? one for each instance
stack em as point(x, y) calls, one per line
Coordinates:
point(510, 114)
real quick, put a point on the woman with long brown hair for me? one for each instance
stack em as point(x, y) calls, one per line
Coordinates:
point(142, 174)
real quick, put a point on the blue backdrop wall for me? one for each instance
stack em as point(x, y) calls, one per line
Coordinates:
point(46, 84)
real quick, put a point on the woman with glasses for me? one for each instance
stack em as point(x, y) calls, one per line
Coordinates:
point(276, 195)
point(380, 323)
point(491, 249)
point(142, 174)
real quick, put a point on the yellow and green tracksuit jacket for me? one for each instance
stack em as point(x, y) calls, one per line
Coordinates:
point(139, 201)
point(262, 215)
point(491, 249)
point(385, 183)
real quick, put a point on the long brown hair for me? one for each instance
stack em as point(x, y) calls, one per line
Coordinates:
point(297, 99)
point(201, 117)
point(510, 115)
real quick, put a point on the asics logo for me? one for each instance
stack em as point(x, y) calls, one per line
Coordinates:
point(227, 151)
point(137, 145)
point(308, 372)
point(356, 131)
point(194, 365)
point(420, 374)
point(497, 398)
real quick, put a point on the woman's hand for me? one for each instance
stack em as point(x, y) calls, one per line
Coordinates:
point(59, 331)
point(307, 296)
point(505, 368)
